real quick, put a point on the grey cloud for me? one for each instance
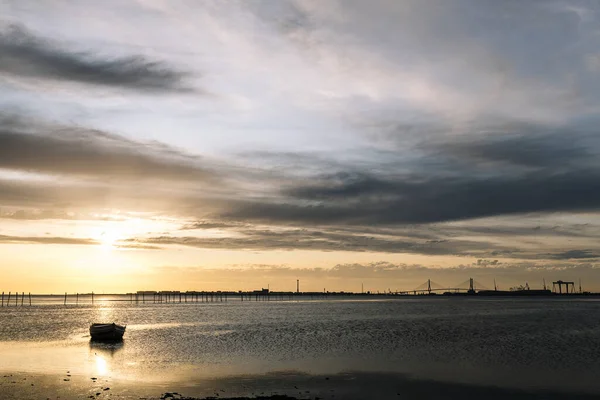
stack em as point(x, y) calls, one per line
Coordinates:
point(23, 54)
point(90, 197)
point(210, 225)
point(6, 239)
point(521, 145)
point(137, 247)
point(324, 240)
point(46, 240)
point(32, 215)
point(46, 148)
point(569, 231)
point(404, 241)
point(574, 255)
point(365, 200)
point(487, 170)
point(21, 193)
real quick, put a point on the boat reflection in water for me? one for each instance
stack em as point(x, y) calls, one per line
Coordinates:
point(109, 348)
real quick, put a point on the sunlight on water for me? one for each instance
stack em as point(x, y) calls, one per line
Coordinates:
point(496, 342)
point(101, 366)
point(104, 314)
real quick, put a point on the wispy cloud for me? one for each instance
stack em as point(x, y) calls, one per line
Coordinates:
point(320, 240)
point(25, 55)
point(46, 240)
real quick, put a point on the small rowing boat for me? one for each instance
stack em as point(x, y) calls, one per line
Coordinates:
point(107, 332)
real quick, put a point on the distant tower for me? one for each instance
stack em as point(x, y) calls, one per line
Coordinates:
point(471, 286)
point(580, 285)
point(429, 286)
point(495, 287)
point(297, 285)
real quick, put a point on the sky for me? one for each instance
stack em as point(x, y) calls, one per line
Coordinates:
point(236, 145)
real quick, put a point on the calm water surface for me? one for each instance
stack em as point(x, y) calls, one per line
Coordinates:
point(521, 343)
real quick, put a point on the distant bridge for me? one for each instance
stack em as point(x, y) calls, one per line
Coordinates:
point(431, 287)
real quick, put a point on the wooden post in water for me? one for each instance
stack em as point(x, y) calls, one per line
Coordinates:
point(65, 298)
point(29, 298)
point(8, 300)
point(22, 299)
point(16, 299)
point(77, 299)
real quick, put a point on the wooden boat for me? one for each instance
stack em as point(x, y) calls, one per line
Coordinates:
point(107, 332)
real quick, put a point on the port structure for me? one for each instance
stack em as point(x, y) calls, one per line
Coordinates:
point(560, 284)
point(471, 286)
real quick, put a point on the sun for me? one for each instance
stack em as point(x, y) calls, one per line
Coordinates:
point(108, 239)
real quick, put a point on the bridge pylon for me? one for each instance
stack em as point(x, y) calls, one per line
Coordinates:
point(471, 286)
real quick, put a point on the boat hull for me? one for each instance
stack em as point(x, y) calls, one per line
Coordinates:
point(107, 332)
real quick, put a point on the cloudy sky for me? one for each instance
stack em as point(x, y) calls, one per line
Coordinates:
point(233, 145)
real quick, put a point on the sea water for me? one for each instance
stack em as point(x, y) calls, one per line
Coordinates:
point(526, 343)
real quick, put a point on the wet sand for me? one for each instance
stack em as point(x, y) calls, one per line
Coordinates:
point(273, 386)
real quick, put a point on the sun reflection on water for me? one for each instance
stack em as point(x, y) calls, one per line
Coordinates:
point(101, 366)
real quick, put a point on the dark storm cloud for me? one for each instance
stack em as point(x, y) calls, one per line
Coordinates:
point(514, 169)
point(23, 54)
point(521, 145)
point(366, 199)
point(35, 146)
